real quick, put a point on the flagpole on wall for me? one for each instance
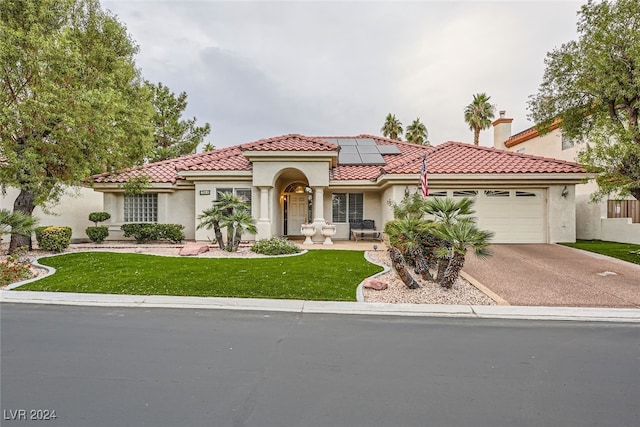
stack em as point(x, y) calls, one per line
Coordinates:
point(424, 184)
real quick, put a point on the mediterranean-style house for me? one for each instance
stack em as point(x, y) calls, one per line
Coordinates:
point(611, 220)
point(294, 179)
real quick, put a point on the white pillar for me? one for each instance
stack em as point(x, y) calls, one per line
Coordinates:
point(318, 205)
point(264, 222)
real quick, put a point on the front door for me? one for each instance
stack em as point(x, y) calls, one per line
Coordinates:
point(297, 211)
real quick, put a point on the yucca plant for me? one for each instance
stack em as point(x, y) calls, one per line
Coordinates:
point(462, 236)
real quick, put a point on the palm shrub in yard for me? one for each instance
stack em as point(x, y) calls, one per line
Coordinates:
point(230, 212)
point(462, 236)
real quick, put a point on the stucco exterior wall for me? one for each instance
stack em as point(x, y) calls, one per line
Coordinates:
point(561, 214)
point(173, 208)
point(620, 230)
point(72, 211)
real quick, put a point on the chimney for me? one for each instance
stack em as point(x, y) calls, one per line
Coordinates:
point(501, 130)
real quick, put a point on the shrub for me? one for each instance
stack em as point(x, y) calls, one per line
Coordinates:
point(171, 232)
point(275, 246)
point(52, 238)
point(97, 234)
point(97, 217)
point(144, 232)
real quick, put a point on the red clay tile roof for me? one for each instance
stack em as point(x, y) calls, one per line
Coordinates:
point(447, 158)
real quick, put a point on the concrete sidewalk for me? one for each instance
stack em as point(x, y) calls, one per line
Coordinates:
point(329, 307)
point(543, 275)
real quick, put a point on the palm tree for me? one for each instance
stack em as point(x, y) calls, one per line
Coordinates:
point(447, 212)
point(208, 147)
point(417, 133)
point(236, 224)
point(392, 127)
point(224, 207)
point(479, 115)
point(407, 235)
point(462, 236)
point(16, 223)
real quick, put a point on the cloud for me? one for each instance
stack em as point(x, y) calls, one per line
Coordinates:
point(261, 69)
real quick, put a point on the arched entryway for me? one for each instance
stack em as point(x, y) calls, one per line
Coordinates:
point(297, 207)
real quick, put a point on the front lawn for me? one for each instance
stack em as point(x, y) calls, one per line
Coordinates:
point(623, 251)
point(327, 275)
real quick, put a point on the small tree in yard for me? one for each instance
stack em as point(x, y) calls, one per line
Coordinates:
point(462, 236)
point(98, 233)
point(226, 213)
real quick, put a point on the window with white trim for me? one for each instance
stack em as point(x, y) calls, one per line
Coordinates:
point(347, 207)
point(141, 207)
point(243, 194)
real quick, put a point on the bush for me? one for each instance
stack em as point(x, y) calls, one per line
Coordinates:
point(53, 238)
point(275, 246)
point(11, 271)
point(171, 232)
point(97, 217)
point(144, 232)
point(97, 234)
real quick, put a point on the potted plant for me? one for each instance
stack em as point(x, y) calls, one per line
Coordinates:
point(308, 230)
point(328, 231)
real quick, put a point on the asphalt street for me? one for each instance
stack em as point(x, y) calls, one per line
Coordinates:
point(101, 366)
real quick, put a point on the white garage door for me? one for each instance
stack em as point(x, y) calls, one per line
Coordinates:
point(515, 216)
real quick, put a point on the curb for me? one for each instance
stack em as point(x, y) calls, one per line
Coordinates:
point(326, 307)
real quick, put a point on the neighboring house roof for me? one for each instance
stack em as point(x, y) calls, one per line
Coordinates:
point(447, 158)
point(526, 135)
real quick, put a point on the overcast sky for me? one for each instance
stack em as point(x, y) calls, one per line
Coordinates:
point(258, 69)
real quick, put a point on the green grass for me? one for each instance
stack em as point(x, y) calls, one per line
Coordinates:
point(328, 275)
point(621, 251)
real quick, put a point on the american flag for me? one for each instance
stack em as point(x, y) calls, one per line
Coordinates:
point(423, 178)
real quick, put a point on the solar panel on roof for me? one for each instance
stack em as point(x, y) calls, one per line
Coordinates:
point(366, 141)
point(348, 149)
point(367, 149)
point(349, 158)
point(344, 141)
point(372, 159)
point(388, 149)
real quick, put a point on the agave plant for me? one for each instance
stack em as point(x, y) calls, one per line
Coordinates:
point(462, 236)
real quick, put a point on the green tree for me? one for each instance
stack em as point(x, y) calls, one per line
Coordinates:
point(72, 102)
point(392, 127)
point(462, 236)
point(173, 136)
point(479, 115)
point(225, 213)
point(417, 133)
point(591, 86)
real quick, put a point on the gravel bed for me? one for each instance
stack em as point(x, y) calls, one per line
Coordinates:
point(462, 292)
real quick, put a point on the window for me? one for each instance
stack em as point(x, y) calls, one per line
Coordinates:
point(496, 193)
point(141, 208)
point(347, 207)
point(465, 193)
point(243, 194)
point(567, 143)
point(525, 194)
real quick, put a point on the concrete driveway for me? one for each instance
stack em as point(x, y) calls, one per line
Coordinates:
point(555, 275)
